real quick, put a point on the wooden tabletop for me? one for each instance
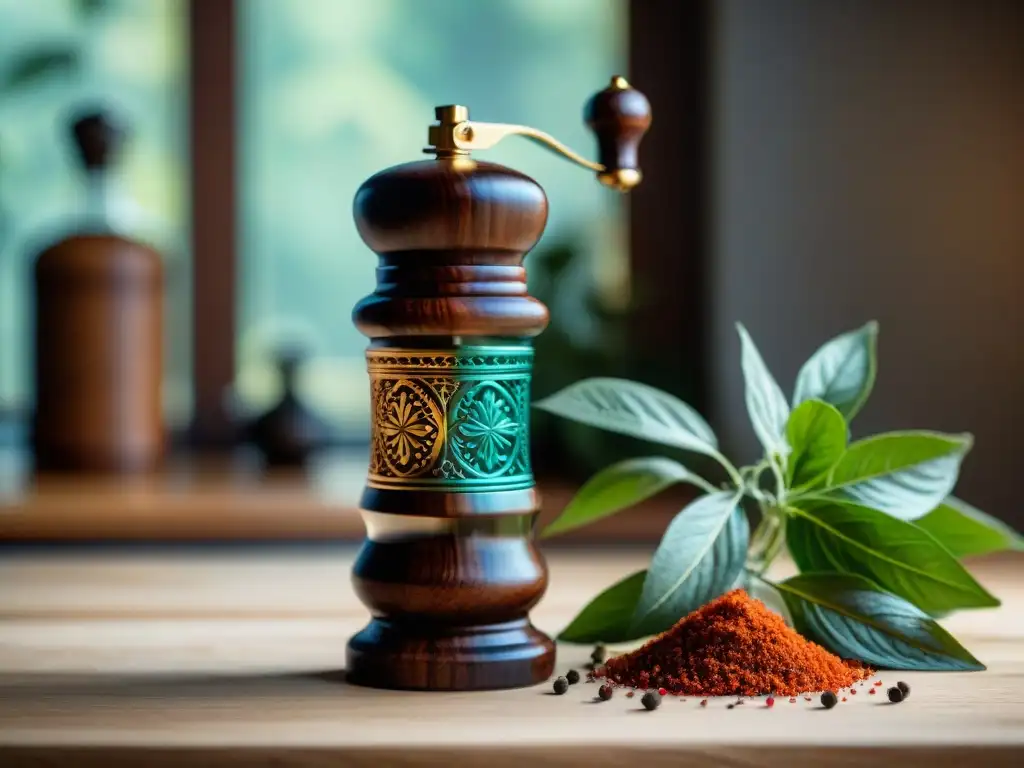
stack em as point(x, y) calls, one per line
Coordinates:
point(233, 656)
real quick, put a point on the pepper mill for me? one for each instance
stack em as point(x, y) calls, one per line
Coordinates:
point(290, 432)
point(448, 568)
point(98, 335)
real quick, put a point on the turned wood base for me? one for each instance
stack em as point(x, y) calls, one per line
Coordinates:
point(415, 657)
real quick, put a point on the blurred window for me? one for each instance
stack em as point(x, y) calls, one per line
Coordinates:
point(55, 56)
point(333, 91)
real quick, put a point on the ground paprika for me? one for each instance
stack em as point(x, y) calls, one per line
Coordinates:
point(733, 646)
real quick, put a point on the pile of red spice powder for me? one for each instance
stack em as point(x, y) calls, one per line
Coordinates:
point(733, 646)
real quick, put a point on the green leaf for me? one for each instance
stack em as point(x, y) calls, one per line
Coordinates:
point(904, 474)
point(833, 535)
point(606, 618)
point(619, 487)
point(816, 432)
point(855, 619)
point(40, 63)
point(633, 409)
point(841, 372)
point(699, 558)
point(771, 597)
point(766, 404)
point(966, 531)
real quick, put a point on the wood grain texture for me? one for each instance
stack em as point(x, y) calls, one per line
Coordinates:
point(98, 356)
point(619, 116)
point(451, 235)
point(235, 660)
point(450, 606)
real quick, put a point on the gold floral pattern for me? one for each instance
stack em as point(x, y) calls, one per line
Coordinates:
point(409, 426)
point(461, 424)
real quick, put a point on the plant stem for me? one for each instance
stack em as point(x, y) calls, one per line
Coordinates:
point(767, 540)
point(734, 473)
point(780, 483)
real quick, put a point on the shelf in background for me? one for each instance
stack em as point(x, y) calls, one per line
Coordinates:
point(231, 499)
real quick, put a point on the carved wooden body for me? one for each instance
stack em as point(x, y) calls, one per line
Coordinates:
point(449, 569)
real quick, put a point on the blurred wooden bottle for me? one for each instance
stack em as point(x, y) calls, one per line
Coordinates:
point(98, 335)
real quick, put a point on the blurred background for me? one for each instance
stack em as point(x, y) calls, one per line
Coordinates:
point(811, 166)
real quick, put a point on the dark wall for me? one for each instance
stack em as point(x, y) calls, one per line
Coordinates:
point(869, 163)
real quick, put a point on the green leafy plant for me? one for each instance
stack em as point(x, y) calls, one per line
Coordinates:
point(870, 524)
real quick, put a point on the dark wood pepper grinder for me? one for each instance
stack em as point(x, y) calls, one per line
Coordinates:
point(448, 568)
point(98, 335)
point(290, 432)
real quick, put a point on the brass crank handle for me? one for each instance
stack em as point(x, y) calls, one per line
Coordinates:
point(619, 116)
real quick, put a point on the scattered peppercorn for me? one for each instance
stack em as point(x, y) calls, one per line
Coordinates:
point(807, 698)
point(662, 692)
point(630, 694)
point(599, 654)
point(651, 700)
point(605, 692)
point(853, 691)
point(769, 702)
point(561, 686)
point(878, 682)
point(829, 699)
point(895, 695)
point(704, 702)
point(873, 691)
point(904, 689)
point(792, 699)
point(730, 706)
point(844, 698)
point(572, 676)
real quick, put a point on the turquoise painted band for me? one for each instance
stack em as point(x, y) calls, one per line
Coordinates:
point(454, 421)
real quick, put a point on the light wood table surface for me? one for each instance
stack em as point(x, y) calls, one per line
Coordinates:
point(232, 657)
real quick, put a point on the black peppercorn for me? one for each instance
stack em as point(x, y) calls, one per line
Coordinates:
point(904, 689)
point(561, 686)
point(599, 654)
point(605, 692)
point(651, 700)
point(572, 676)
point(895, 695)
point(730, 706)
point(829, 699)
